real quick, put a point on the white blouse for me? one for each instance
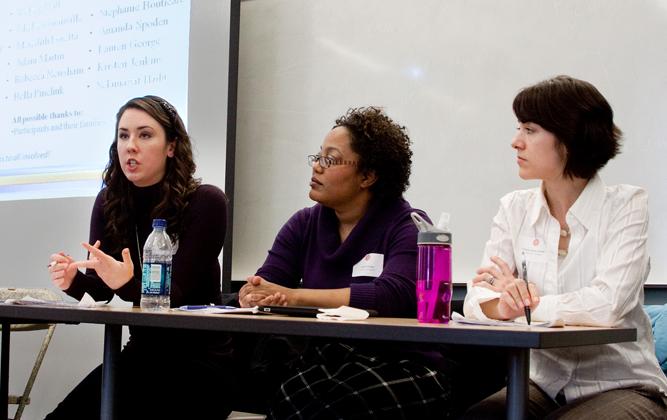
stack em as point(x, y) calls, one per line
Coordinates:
point(599, 283)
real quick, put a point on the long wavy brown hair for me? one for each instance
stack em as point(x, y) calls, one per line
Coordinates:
point(177, 185)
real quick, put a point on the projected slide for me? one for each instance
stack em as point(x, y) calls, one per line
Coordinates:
point(67, 66)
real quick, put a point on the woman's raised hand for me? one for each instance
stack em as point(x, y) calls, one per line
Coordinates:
point(495, 277)
point(112, 272)
point(62, 270)
point(515, 293)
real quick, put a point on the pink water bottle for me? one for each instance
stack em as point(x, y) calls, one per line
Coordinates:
point(434, 272)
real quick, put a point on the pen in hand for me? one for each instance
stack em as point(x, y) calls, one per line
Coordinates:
point(524, 273)
point(54, 262)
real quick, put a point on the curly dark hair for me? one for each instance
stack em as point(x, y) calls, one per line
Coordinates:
point(178, 182)
point(578, 115)
point(383, 147)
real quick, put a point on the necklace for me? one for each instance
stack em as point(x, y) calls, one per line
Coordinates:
point(564, 233)
point(136, 236)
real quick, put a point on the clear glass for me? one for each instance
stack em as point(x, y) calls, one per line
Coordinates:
point(324, 161)
point(327, 161)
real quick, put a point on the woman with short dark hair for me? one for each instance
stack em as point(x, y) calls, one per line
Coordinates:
point(574, 250)
point(579, 117)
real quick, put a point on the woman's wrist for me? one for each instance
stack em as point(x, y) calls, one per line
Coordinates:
point(293, 296)
point(120, 284)
point(491, 308)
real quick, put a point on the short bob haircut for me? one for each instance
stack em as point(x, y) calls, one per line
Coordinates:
point(383, 147)
point(580, 118)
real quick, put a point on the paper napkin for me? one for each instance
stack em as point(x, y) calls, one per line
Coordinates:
point(342, 313)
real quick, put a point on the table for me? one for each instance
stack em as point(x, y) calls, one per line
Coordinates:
point(519, 340)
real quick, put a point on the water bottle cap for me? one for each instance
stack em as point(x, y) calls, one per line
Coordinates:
point(443, 222)
point(434, 238)
point(159, 223)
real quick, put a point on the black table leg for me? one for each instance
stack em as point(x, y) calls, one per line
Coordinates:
point(4, 371)
point(517, 383)
point(112, 339)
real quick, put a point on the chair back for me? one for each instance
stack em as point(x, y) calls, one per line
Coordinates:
point(22, 293)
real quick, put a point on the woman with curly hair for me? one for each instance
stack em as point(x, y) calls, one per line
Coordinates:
point(150, 174)
point(357, 246)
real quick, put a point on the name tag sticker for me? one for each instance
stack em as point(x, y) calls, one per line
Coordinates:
point(532, 247)
point(369, 266)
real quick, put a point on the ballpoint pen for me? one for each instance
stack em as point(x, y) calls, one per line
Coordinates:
point(524, 273)
point(201, 307)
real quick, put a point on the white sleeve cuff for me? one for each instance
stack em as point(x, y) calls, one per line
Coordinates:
point(477, 296)
point(547, 310)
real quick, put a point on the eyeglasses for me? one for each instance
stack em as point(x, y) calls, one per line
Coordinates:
point(327, 161)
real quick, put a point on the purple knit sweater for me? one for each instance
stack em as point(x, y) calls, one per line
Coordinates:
point(308, 253)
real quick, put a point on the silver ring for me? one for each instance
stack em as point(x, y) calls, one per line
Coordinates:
point(490, 280)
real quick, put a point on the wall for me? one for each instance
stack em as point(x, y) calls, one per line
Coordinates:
point(448, 70)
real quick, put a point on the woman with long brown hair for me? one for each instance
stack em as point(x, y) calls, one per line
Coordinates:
point(150, 174)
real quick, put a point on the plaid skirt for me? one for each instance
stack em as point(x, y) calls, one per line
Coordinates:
point(335, 381)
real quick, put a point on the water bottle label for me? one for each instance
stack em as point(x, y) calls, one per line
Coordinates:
point(156, 279)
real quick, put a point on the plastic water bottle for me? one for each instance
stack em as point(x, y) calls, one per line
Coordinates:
point(156, 274)
point(434, 271)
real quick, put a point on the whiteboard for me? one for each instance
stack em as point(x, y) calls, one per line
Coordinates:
point(448, 70)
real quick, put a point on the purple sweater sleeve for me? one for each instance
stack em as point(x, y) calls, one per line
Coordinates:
point(284, 263)
point(393, 292)
point(196, 270)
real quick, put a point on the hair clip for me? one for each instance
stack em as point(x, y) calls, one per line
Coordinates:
point(169, 108)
